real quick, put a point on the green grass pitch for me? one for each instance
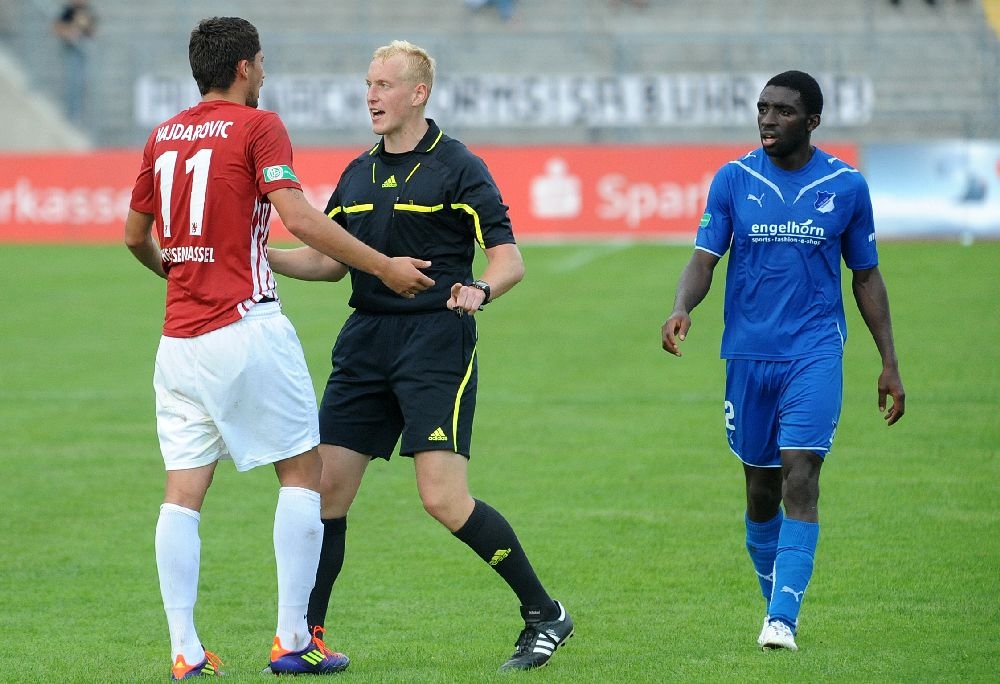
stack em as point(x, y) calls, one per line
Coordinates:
point(607, 455)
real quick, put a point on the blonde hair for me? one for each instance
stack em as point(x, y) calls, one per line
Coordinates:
point(419, 65)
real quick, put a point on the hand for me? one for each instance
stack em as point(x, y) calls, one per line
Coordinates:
point(404, 277)
point(465, 299)
point(674, 331)
point(890, 384)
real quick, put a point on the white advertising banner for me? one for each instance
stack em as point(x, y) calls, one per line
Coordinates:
point(703, 100)
point(935, 189)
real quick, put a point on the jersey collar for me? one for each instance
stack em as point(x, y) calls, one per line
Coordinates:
point(427, 143)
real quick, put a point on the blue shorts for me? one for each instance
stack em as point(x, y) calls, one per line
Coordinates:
point(777, 405)
point(407, 378)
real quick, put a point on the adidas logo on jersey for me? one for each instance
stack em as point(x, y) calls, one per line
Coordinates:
point(499, 556)
point(390, 182)
point(438, 436)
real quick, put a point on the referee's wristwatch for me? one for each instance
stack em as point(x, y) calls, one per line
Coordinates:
point(485, 287)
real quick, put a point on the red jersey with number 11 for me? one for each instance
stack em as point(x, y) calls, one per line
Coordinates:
point(205, 177)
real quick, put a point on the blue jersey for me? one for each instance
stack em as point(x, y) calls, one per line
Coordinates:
point(786, 232)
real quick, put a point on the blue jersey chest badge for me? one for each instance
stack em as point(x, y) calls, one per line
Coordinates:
point(824, 201)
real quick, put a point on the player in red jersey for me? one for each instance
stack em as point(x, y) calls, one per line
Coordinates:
point(230, 376)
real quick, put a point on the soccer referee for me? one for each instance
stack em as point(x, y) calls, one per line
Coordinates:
point(405, 369)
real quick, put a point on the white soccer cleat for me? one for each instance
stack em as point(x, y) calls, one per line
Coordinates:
point(763, 628)
point(776, 634)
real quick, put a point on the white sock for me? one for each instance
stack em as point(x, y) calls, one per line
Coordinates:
point(178, 557)
point(298, 538)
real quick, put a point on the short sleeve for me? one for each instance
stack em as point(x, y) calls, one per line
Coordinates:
point(271, 155)
point(715, 230)
point(479, 193)
point(143, 200)
point(858, 241)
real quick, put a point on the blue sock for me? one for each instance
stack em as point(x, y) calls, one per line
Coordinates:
point(762, 544)
point(793, 568)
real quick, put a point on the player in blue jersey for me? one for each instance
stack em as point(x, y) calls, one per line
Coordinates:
point(787, 213)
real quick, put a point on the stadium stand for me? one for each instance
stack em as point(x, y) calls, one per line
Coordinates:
point(31, 121)
point(932, 67)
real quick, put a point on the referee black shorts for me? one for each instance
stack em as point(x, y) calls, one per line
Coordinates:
point(412, 376)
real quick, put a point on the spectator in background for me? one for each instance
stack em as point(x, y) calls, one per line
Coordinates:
point(504, 7)
point(75, 26)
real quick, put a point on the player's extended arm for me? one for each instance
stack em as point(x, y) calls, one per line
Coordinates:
point(139, 239)
point(504, 270)
point(305, 263)
point(309, 224)
point(694, 284)
point(873, 303)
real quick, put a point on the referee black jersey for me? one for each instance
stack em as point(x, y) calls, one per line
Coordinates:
point(437, 203)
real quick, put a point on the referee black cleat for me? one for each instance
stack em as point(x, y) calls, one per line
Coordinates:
point(539, 640)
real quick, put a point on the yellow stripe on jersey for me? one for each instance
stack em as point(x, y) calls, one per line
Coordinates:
point(418, 208)
point(458, 400)
point(356, 208)
point(436, 141)
point(475, 218)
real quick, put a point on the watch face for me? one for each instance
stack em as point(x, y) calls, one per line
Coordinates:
point(485, 287)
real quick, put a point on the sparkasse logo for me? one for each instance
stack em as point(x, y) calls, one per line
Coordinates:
point(26, 202)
